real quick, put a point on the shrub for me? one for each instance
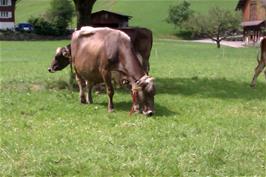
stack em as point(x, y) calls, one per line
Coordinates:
point(55, 21)
point(179, 14)
point(43, 27)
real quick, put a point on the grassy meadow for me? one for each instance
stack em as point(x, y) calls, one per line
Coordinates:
point(208, 121)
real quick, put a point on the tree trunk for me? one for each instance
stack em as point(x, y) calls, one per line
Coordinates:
point(218, 42)
point(83, 9)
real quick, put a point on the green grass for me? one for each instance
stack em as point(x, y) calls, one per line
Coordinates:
point(147, 13)
point(208, 121)
point(27, 8)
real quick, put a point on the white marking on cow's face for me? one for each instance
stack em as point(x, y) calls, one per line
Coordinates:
point(145, 80)
point(149, 80)
point(58, 50)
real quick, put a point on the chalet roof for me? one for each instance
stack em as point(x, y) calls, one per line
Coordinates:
point(241, 3)
point(252, 23)
point(109, 12)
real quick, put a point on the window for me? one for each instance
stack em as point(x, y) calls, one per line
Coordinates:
point(5, 14)
point(5, 2)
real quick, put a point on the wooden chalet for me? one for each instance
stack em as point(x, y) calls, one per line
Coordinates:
point(105, 18)
point(253, 19)
point(7, 14)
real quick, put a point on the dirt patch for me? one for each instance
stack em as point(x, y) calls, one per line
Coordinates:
point(234, 44)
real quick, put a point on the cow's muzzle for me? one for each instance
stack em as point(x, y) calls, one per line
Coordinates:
point(148, 113)
point(51, 70)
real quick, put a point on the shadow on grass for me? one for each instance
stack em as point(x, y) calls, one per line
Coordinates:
point(204, 87)
point(217, 88)
point(126, 105)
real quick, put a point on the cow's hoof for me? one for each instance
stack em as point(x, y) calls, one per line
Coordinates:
point(252, 85)
point(110, 110)
point(83, 101)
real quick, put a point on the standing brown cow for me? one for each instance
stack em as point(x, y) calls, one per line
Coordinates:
point(261, 62)
point(142, 40)
point(95, 53)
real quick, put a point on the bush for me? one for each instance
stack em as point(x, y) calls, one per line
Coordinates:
point(43, 27)
point(55, 21)
point(179, 14)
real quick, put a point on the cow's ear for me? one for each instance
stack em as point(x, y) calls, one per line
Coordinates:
point(66, 52)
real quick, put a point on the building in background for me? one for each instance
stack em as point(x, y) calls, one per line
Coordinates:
point(253, 19)
point(105, 18)
point(7, 14)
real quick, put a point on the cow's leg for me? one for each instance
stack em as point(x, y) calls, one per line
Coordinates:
point(265, 73)
point(258, 70)
point(109, 89)
point(90, 85)
point(82, 89)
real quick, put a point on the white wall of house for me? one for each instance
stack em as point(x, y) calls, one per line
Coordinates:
point(7, 25)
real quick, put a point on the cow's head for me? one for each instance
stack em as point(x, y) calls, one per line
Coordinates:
point(146, 94)
point(61, 60)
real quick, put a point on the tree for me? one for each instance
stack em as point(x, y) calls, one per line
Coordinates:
point(217, 25)
point(179, 14)
point(83, 9)
point(60, 14)
point(55, 21)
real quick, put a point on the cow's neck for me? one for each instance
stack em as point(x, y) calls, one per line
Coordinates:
point(134, 69)
point(130, 63)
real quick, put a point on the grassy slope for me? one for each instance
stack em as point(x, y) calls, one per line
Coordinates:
point(27, 8)
point(147, 13)
point(208, 122)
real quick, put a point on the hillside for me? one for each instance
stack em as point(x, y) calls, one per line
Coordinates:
point(146, 13)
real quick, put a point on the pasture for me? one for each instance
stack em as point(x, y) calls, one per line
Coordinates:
point(208, 121)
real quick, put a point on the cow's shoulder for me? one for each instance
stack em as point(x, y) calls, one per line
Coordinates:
point(123, 35)
point(86, 31)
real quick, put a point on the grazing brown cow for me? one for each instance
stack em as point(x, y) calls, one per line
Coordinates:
point(261, 62)
point(95, 53)
point(141, 39)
